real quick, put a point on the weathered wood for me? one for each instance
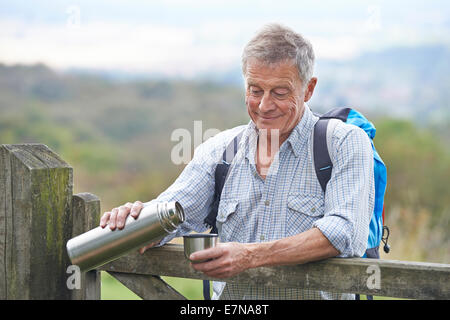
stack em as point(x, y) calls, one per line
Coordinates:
point(396, 278)
point(148, 287)
point(35, 219)
point(5, 218)
point(86, 216)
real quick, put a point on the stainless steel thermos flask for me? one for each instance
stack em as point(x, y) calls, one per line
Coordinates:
point(102, 245)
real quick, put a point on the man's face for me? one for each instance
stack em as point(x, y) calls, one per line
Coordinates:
point(275, 95)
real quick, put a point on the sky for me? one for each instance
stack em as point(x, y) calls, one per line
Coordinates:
point(184, 38)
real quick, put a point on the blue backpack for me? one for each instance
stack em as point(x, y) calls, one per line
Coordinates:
point(323, 167)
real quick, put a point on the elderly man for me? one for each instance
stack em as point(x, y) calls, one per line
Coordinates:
point(272, 209)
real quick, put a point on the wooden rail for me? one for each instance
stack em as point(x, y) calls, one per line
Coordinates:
point(39, 213)
point(364, 276)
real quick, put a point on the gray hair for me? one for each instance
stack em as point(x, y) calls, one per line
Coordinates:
point(276, 43)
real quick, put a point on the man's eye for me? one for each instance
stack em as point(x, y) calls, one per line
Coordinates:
point(280, 93)
point(280, 96)
point(255, 91)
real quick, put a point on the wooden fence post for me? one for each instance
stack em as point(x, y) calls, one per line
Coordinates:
point(35, 222)
point(86, 216)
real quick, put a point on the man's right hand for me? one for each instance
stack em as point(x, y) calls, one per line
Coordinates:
point(117, 216)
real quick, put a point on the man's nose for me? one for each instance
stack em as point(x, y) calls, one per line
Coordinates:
point(266, 104)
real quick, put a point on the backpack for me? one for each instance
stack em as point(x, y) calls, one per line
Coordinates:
point(323, 167)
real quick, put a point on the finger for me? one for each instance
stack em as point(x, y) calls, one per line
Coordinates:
point(210, 253)
point(122, 215)
point(213, 268)
point(143, 249)
point(112, 218)
point(203, 266)
point(104, 219)
point(136, 209)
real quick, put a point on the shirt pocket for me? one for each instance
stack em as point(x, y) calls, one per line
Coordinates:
point(227, 220)
point(303, 211)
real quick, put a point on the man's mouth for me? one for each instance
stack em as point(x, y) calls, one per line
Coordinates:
point(268, 117)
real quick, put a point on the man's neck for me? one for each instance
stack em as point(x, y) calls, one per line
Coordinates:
point(269, 142)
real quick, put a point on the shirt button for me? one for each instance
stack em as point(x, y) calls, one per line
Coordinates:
point(313, 210)
point(266, 202)
point(261, 237)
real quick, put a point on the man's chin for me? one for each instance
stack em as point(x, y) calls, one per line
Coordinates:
point(268, 125)
point(269, 130)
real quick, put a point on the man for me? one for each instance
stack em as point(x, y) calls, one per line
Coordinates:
point(272, 209)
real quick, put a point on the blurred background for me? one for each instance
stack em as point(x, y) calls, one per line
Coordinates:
point(105, 83)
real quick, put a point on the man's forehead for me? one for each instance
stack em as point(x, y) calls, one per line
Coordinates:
point(284, 72)
point(273, 81)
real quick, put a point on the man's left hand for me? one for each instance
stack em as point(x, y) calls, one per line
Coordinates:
point(228, 259)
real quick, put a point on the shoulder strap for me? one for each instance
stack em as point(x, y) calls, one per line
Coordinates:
point(337, 113)
point(219, 180)
point(321, 156)
point(321, 142)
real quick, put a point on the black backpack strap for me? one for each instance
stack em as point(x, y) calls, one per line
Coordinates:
point(219, 181)
point(322, 160)
point(337, 113)
point(321, 156)
point(206, 290)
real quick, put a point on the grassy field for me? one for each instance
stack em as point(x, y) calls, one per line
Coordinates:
point(114, 290)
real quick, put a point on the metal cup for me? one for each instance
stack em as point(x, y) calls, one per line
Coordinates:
point(196, 242)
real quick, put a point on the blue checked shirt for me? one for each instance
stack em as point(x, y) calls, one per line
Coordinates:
point(287, 202)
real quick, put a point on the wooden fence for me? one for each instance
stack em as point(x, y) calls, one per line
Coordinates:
point(39, 213)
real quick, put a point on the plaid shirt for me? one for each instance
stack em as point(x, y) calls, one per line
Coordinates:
point(287, 202)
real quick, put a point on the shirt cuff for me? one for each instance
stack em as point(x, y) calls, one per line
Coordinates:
point(339, 232)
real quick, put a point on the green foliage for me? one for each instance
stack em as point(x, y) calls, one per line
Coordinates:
point(418, 166)
point(112, 289)
point(192, 289)
point(418, 196)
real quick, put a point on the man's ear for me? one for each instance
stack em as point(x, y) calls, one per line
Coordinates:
point(310, 88)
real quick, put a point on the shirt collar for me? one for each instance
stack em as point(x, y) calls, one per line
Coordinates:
point(302, 131)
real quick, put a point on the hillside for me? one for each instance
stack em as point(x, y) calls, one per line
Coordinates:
point(405, 82)
point(118, 131)
point(117, 136)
